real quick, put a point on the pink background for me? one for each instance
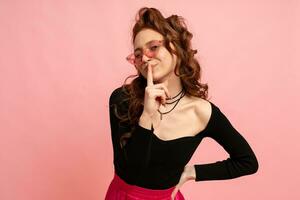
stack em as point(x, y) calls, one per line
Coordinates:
point(60, 61)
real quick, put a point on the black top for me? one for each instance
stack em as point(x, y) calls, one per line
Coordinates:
point(149, 162)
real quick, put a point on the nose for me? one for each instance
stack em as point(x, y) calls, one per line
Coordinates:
point(145, 58)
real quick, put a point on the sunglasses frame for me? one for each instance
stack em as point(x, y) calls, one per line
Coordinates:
point(145, 51)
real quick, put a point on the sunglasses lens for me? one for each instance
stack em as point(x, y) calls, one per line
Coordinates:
point(150, 52)
point(130, 58)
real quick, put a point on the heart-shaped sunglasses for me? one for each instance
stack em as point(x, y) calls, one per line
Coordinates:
point(150, 50)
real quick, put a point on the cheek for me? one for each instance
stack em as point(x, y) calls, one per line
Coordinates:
point(165, 59)
point(168, 63)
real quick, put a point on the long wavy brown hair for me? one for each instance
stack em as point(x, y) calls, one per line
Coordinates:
point(174, 30)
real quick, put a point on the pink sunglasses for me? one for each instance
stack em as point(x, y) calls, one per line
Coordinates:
point(150, 51)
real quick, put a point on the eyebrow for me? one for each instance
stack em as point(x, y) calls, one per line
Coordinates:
point(140, 47)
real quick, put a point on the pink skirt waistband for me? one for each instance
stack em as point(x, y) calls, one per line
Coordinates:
point(119, 190)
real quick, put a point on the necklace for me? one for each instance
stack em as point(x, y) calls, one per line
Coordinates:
point(181, 93)
point(174, 97)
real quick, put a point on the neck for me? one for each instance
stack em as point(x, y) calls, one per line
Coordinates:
point(174, 85)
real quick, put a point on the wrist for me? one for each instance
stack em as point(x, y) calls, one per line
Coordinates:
point(192, 172)
point(145, 120)
point(146, 115)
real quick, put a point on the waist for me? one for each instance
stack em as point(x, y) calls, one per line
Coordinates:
point(120, 183)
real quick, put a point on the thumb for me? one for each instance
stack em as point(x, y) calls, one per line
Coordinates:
point(175, 192)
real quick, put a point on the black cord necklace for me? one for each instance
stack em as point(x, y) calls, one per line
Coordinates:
point(181, 93)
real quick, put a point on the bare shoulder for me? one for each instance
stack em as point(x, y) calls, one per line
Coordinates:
point(203, 109)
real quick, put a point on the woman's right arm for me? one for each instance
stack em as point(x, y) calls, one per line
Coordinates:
point(137, 151)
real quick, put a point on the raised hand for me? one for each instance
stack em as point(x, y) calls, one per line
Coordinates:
point(155, 94)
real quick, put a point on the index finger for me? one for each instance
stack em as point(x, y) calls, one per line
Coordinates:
point(149, 75)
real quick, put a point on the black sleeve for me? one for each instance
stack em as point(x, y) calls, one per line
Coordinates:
point(242, 160)
point(136, 150)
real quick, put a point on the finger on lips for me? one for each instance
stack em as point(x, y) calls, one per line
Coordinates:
point(149, 75)
point(166, 94)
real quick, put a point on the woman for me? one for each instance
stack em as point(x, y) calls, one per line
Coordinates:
point(160, 118)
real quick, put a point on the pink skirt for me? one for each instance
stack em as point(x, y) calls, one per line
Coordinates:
point(120, 190)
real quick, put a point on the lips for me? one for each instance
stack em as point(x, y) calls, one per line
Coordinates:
point(146, 68)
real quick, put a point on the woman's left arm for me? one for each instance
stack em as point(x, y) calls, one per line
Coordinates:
point(242, 160)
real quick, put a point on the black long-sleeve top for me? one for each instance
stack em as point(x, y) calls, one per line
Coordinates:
point(149, 162)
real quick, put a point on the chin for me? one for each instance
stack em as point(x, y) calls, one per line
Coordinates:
point(159, 79)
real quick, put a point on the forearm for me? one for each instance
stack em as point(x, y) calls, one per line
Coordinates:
point(145, 121)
